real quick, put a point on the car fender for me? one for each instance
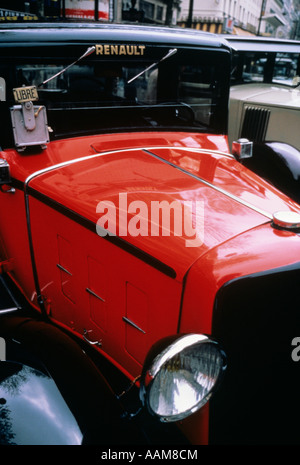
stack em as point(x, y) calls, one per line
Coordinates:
point(45, 349)
point(279, 164)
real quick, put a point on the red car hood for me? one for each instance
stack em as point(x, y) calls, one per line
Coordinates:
point(223, 199)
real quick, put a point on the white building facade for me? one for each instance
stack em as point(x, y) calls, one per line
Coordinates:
point(279, 18)
point(221, 16)
point(149, 11)
point(242, 17)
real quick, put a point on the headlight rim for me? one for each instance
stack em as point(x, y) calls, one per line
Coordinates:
point(151, 370)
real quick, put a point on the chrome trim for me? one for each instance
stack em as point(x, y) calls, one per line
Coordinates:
point(11, 297)
point(216, 188)
point(8, 310)
point(31, 249)
point(124, 318)
point(11, 190)
point(242, 148)
point(63, 269)
point(133, 149)
point(286, 220)
point(171, 147)
point(93, 343)
point(155, 362)
point(191, 149)
point(94, 294)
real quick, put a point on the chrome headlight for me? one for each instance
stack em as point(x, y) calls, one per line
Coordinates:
point(182, 377)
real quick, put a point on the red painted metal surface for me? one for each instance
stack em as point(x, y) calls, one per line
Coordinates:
point(64, 150)
point(91, 284)
point(81, 186)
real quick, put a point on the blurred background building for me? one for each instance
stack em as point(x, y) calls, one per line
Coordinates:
point(276, 18)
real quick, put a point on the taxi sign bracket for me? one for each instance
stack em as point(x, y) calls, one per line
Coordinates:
point(30, 126)
point(28, 115)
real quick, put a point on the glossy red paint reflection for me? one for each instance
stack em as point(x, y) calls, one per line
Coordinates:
point(125, 293)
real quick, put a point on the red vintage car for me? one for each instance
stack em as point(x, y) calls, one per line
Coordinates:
point(144, 267)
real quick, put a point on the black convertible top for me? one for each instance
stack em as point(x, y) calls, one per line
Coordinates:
point(262, 44)
point(79, 33)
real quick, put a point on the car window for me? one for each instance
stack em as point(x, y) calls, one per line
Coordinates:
point(267, 67)
point(120, 93)
point(285, 69)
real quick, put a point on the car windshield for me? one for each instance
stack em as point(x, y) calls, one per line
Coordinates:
point(277, 68)
point(181, 90)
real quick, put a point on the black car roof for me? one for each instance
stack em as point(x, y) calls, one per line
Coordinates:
point(52, 33)
point(262, 44)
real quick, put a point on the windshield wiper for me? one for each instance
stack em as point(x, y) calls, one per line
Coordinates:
point(170, 53)
point(88, 52)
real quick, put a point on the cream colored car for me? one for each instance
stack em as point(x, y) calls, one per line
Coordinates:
point(265, 90)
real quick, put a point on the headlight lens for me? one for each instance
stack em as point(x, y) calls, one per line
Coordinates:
point(182, 378)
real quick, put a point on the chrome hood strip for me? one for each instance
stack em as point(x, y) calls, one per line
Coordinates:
point(133, 149)
point(216, 188)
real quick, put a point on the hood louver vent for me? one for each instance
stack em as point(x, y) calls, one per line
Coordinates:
point(255, 123)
